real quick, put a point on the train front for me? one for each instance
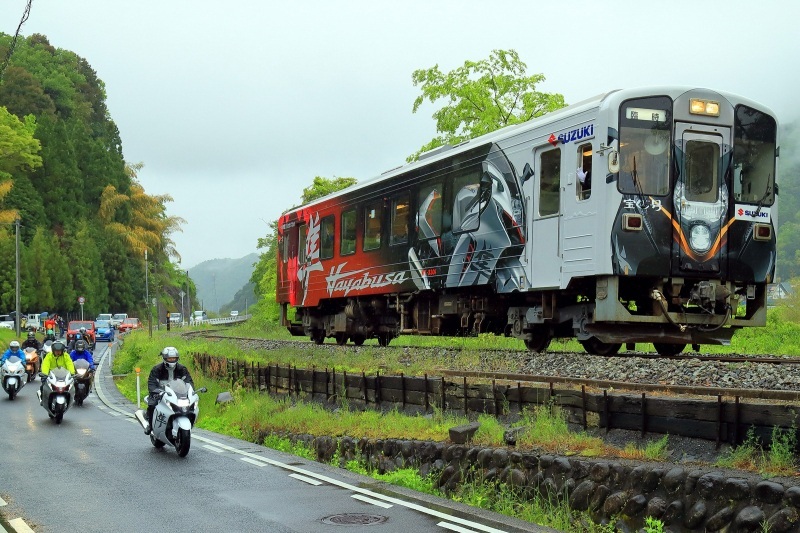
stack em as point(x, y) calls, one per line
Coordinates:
point(693, 241)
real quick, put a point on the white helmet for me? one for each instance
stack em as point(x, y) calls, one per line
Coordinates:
point(170, 356)
point(14, 346)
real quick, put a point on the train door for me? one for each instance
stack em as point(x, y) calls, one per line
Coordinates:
point(544, 246)
point(300, 283)
point(700, 202)
point(579, 218)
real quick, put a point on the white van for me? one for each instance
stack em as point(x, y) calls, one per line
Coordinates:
point(198, 317)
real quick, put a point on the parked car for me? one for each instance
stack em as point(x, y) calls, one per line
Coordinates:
point(104, 316)
point(129, 324)
point(73, 328)
point(6, 322)
point(117, 319)
point(104, 330)
point(175, 318)
point(198, 317)
point(234, 313)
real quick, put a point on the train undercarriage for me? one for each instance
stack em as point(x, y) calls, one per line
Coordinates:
point(602, 313)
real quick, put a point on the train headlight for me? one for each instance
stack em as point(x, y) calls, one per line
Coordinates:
point(704, 107)
point(700, 238)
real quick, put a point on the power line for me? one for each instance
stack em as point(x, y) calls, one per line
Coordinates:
point(22, 21)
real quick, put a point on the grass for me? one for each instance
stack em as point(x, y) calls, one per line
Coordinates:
point(777, 460)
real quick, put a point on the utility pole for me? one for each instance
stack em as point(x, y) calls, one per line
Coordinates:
point(147, 296)
point(18, 317)
point(188, 299)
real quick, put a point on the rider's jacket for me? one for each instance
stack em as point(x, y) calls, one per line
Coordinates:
point(62, 361)
point(160, 373)
point(85, 354)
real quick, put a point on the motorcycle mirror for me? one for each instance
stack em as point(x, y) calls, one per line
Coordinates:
point(202, 389)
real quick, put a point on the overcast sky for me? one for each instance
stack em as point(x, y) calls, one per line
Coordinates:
point(234, 107)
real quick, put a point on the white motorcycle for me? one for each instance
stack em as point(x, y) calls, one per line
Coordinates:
point(13, 375)
point(174, 416)
point(59, 392)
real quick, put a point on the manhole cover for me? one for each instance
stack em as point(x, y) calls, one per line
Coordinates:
point(354, 519)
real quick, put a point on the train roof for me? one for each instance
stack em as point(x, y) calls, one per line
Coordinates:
point(612, 97)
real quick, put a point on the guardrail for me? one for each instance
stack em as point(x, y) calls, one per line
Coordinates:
point(227, 320)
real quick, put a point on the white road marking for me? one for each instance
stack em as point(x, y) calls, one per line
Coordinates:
point(373, 502)
point(453, 527)
point(2, 502)
point(255, 459)
point(213, 448)
point(305, 479)
point(20, 526)
point(251, 461)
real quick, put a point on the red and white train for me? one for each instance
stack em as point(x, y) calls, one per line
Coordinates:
point(640, 215)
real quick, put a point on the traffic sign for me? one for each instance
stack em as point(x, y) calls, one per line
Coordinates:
point(81, 300)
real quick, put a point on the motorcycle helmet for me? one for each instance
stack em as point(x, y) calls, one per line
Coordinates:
point(57, 348)
point(14, 346)
point(31, 335)
point(83, 331)
point(80, 346)
point(170, 356)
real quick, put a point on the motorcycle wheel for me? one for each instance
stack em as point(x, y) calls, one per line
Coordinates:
point(183, 442)
point(78, 401)
point(30, 378)
point(59, 417)
point(12, 394)
point(157, 443)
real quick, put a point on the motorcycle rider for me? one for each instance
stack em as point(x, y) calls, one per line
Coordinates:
point(167, 370)
point(32, 342)
point(56, 359)
point(13, 350)
point(81, 335)
point(80, 352)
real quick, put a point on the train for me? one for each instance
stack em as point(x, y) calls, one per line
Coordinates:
point(636, 216)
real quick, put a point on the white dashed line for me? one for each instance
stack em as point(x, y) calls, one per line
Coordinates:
point(306, 479)
point(253, 461)
point(2, 502)
point(373, 502)
point(20, 526)
point(453, 527)
point(213, 448)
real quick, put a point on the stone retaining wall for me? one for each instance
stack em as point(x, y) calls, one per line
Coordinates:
point(685, 499)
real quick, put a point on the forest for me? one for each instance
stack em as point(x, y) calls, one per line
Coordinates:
point(85, 221)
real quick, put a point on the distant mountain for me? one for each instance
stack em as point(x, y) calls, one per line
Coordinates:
point(218, 280)
point(242, 300)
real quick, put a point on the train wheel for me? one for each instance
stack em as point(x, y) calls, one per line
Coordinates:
point(539, 341)
point(595, 346)
point(318, 336)
point(667, 349)
point(341, 339)
point(358, 340)
point(384, 339)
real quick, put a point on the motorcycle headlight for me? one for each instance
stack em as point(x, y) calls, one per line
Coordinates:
point(80, 371)
point(700, 238)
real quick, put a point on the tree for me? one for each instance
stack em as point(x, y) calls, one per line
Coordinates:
point(483, 96)
point(324, 186)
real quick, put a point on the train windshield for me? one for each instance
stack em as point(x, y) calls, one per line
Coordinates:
point(754, 156)
point(644, 141)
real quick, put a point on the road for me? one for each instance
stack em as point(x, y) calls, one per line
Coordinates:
point(97, 471)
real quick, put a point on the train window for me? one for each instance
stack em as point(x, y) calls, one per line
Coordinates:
point(373, 213)
point(702, 171)
point(754, 156)
point(400, 212)
point(429, 214)
point(466, 187)
point(550, 182)
point(347, 243)
point(583, 177)
point(644, 141)
point(285, 246)
point(326, 238)
point(301, 248)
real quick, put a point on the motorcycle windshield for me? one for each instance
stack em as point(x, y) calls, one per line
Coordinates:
point(61, 374)
point(180, 388)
